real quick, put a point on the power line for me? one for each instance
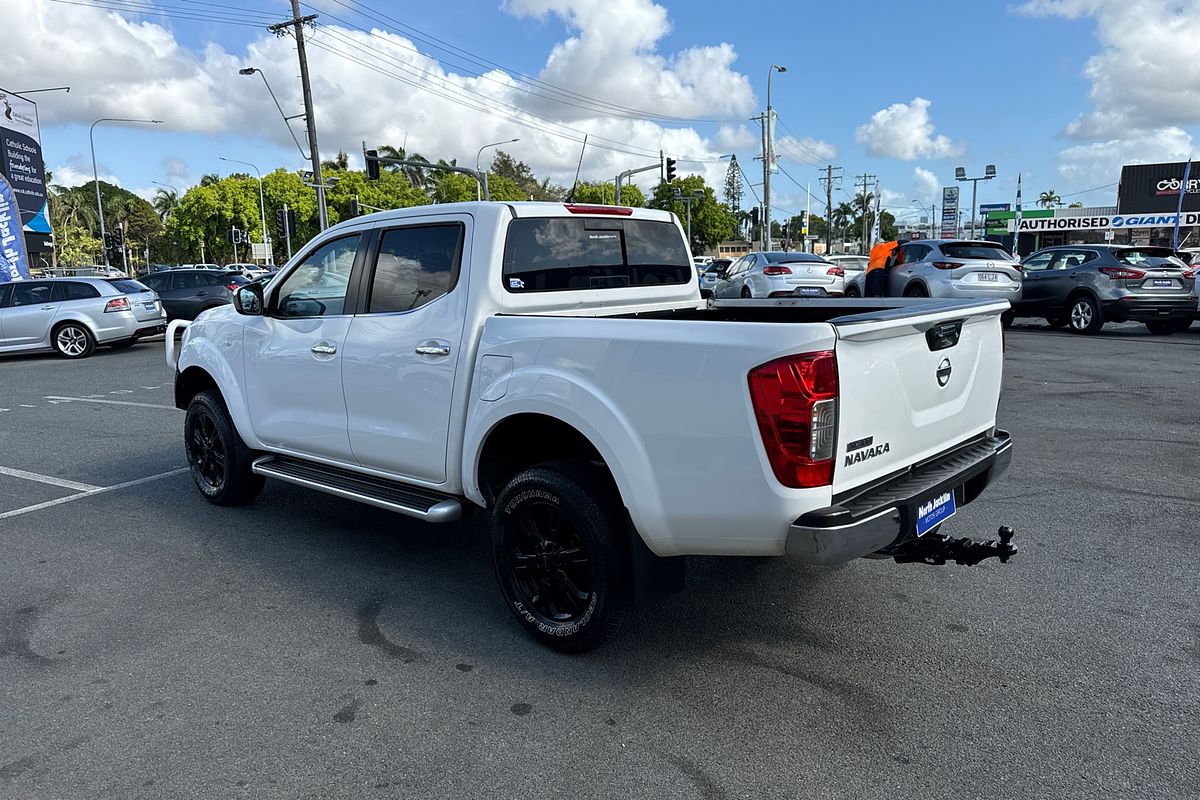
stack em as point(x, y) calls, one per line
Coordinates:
point(190, 15)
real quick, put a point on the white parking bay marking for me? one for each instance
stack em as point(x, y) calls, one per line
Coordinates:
point(71, 498)
point(50, 479)
point(53, 397)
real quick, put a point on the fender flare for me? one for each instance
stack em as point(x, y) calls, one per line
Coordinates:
point(202, 354)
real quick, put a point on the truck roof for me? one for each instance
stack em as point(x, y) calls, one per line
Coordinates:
point(518, 209)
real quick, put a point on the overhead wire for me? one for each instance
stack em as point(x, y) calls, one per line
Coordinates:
point(172, 12)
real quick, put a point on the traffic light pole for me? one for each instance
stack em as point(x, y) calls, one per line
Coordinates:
point(626, 174)
point(373, 160)
point(287, 231)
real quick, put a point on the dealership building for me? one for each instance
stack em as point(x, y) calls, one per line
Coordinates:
point(1145, 214)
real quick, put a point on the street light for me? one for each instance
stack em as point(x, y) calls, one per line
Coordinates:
point(313, 153)
point(960, 174)
point(478, 187)
point(66, 89)
point(768, 152)
point(96, 174)
point(262, 206)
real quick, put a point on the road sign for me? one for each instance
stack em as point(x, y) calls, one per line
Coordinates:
point(260, 251)
point(987, 208)
point(949, 212)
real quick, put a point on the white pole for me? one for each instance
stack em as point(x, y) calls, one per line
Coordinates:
point(807, 217)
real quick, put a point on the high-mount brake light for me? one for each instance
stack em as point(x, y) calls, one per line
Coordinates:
point(616, 211)
point(1123, 273)
point(795, 404)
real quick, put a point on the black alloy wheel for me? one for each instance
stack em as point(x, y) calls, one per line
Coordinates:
point(550, 566)
point(206, 452)
point(220, 461)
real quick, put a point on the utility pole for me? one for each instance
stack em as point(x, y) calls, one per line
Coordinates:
point(866, 179)
point(297, 23)
point(828, 178)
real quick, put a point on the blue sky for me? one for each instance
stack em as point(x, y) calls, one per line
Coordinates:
point(1044, 87)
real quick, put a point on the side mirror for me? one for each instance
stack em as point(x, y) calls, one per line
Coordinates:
point(248, 299)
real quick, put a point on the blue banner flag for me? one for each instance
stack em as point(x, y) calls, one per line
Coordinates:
point(1187, 174)
point(14, 265)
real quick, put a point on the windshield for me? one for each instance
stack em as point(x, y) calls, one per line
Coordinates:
point(980, 250)
point(1150, 258)
point(571, 253)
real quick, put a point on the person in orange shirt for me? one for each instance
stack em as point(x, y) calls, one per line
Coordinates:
point(875, 282)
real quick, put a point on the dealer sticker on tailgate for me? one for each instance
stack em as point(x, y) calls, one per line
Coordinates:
point(934, 512)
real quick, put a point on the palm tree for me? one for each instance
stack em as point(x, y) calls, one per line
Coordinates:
point(841, 216)
point(341, 163)
point(165, 201)
point(1049, 198)
point(417, 177)
point(210, 179)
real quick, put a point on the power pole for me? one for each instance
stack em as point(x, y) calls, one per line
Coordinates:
point(828, 178)
point(866, 179)
point(297, 23)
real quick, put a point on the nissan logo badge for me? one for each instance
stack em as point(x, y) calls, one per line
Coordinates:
point(943, 372)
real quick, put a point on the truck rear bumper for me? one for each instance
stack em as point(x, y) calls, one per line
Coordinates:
point(871, 519)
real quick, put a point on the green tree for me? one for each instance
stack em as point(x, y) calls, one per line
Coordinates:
point(74, 246)
point(712, 221)
point(1049, 199)
point(604, 194)
point(733, 185)
point(207, 213)
point(505, 189)
point(454, 187)
point(165, 201)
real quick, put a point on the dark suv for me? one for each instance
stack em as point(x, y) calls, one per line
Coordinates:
point(1085, 286)
point(187, 292)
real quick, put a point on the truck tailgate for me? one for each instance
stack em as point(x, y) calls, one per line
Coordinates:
point(912, 385)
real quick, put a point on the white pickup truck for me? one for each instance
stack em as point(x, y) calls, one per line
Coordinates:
point(554, 365)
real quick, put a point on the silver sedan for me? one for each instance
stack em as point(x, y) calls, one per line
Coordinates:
point(780, 274)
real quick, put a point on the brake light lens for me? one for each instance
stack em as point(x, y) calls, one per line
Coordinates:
point(1123, 273)
point(838, 271)
point(231, 286)
point(619, 211)
point(947, 264)
point(795, 404)
point(1191, 272)
point(117, 304)
point(777, 271)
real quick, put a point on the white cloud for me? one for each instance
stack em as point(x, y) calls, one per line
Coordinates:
point(1099, 163)
point(730, 138)
point(1146, 75)
point(805, 149)
point(123, 68)
point(905, 131)
point(927, 184)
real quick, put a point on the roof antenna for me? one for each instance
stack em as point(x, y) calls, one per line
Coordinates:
point(571, 196)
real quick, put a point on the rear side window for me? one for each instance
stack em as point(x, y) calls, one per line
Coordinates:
point(416, 265)
point(155, 282)
point(28, 294)
point(978, 250)
point(579, 253)
point(75, 291)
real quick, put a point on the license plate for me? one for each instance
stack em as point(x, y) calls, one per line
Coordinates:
point(808, 291)
point(150, 306)
point(934, 512)
point(989, 277)
point(1165, 283)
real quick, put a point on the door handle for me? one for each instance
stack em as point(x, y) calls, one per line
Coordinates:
point(324, 349)
point(433, 350)
point(47, 308)
point(201, 294)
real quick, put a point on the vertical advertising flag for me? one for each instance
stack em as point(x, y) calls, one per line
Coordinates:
point(772, 160)
point(1016, 248)
point(21, 161)
point(14, 266)
point(1183, 187)
point(875, 228)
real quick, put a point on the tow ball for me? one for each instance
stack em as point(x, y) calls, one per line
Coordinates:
point(936, 549)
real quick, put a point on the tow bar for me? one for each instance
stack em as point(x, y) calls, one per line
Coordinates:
point(935, 549)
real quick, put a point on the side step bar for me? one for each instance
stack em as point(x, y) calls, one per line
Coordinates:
point(412, 501)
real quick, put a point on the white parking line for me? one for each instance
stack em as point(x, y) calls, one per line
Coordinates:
point(106, 402)
point(18, 512)
point(50, 479)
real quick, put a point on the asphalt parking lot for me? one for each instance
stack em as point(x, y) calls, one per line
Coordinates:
point(153, 645)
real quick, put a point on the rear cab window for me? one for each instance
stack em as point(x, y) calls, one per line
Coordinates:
point(554, 254)
point(1150, 258)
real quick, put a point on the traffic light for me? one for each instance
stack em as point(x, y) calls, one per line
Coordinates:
point(281, 223)
point(670, 170)
point(291, 221)
point(235, 235)
point(118, 238)
point(354, 212)
point(372, 158)
point(754, 215)
point(108, 241)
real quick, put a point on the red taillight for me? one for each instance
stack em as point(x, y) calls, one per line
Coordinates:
point(841, 273)
point(117, 304)
point(1017, 267)
point(947, 264)
point(776, 271)
point(795, 403)
point(1123, 273)
point(1191, 272)
point(619, 211)
point(231, 287)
